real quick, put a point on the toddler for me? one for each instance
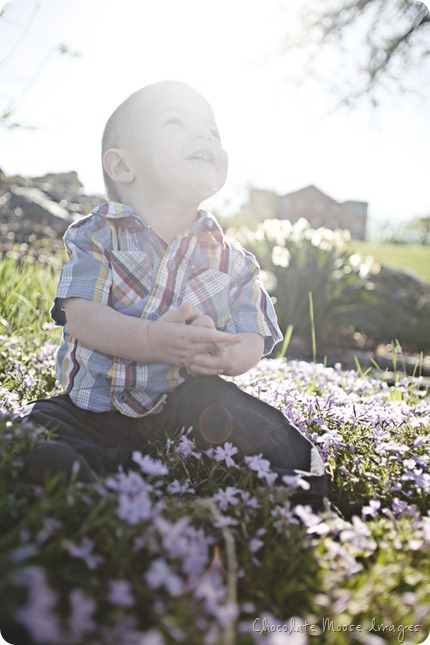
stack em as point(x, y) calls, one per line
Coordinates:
point(156, 305)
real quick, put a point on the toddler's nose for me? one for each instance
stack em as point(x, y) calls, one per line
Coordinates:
point(204, 133)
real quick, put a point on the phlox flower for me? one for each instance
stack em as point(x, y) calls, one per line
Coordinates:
point(81, 611)
point(148, 465)
point(248, 500)
point(295, 481)
point(426, 529)
point(256, 543)
point(305, 514)
point(176, 488)
point(212, 591)
point(160, 575)
point(129, 483)
point(185, 542)
point(372, 509)
point(261, 467)
point(136, 507)
point(38, 614)
point(84, 552)
point(186, 448)
point(225, 453)
point(120, 593)
point(153, 637)
point(358, 534)
point(226, 497)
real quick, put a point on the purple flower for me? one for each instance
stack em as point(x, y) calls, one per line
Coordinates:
point(38, 614)
point(261, 467)
point(426, 529)
point(120, 593)
point(372, 509)
point(81, 611)
point(149, 466)
point(186, 448)
point(84, 552)
point(176, 488)
point(225, 453)
point(136, 507)
point(256, 543)
point(358, 534)
point(226, 497)
point(305, 514)
point(160, 575)
point(295, 481)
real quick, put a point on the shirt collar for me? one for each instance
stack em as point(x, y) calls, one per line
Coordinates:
point(114, 210)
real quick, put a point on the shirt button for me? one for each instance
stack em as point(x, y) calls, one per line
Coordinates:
point(171, 265)
point(154, 316)
point(122, 396)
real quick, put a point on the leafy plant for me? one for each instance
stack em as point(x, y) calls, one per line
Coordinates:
point(297, 261)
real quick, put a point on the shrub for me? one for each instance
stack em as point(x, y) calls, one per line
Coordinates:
point(297, 261)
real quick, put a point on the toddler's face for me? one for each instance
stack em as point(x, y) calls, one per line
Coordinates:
point(176, 149)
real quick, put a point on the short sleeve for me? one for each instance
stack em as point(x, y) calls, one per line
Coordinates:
point(87, 274)
point(251, 308)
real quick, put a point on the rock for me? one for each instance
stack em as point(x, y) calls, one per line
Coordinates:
point(400, 311)
point(60, 179)
point(36, 206)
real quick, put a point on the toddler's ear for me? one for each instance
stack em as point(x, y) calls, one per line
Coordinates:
point(116, 165)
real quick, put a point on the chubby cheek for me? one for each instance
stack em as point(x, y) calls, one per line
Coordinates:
point(222, 169)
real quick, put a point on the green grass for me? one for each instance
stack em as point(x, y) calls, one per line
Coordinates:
point(411, 257)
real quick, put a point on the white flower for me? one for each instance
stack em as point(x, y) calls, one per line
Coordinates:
point(281, 256)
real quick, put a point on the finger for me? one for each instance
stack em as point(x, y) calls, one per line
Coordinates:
point(178, 315)
point(220, 338)
point(207, 364)
point(203, 321)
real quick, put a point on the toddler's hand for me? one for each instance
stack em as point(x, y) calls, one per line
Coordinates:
point(181, 334)
point(215, 360)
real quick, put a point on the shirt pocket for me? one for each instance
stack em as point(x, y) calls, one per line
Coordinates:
point(209, 291)
point(131, 279)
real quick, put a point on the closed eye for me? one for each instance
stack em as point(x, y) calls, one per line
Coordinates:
point(174, 120)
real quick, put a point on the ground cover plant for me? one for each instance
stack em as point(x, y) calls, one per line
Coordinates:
point(195, 547)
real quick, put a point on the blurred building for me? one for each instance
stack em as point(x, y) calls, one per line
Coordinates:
point(311, 204)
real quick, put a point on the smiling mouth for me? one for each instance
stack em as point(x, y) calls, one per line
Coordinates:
point(203, 155)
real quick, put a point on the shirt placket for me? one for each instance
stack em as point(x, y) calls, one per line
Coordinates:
point(171, 277)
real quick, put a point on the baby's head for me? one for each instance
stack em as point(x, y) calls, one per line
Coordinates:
point(162, 142)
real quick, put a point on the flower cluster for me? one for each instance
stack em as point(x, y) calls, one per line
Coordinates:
point(192, 545)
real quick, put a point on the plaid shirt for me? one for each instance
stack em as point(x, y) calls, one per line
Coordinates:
point(118, 260)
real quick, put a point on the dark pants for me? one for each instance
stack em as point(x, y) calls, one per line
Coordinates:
point(216, 409)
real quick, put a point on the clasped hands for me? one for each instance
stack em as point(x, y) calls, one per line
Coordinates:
point(185, 337)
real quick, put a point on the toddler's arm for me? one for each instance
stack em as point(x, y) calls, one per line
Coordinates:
point(167, 340)
point(229, 360)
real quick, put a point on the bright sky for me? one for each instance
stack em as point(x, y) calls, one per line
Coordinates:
point(278, 136)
